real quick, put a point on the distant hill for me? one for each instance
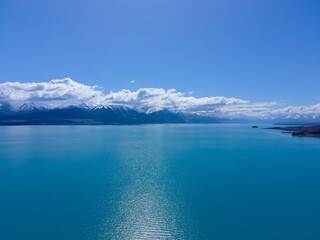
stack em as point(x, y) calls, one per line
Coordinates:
point(31, 114)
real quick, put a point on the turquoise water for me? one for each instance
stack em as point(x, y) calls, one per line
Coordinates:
point(158, 182)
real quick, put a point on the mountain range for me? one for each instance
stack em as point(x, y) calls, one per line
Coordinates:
point(30, 113)
point(33, 114)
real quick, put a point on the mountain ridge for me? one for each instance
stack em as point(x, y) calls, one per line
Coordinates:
point(31, 113)
point(84, 115)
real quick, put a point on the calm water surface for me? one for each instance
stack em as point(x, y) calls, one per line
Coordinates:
point(158, 182)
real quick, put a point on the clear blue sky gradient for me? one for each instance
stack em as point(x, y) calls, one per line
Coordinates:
point(266, 50)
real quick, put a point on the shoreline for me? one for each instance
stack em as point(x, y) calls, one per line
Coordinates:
point(304, 131)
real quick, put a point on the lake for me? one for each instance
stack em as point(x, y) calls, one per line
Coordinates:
point(205, 181)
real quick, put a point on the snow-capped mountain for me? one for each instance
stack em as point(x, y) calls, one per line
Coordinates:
point(30, 107)
point(31, 113)
point(5, 108)
point(35, 113)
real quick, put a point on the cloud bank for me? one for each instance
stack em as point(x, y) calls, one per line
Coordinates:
point(66, 92)
point(56, 93)
point(153, 99)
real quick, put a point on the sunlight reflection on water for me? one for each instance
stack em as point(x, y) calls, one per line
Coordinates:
point(148, 206)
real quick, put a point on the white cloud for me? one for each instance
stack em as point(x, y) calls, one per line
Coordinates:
point(297, 112)
point(132, 81)
point(269, 111)
point(65, 92)
point(153, 99)
point(60, 92)
point(249, 110)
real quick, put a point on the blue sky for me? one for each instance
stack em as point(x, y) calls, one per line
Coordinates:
point(260, 51)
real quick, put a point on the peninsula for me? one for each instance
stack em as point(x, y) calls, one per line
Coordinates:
point(301, 131)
